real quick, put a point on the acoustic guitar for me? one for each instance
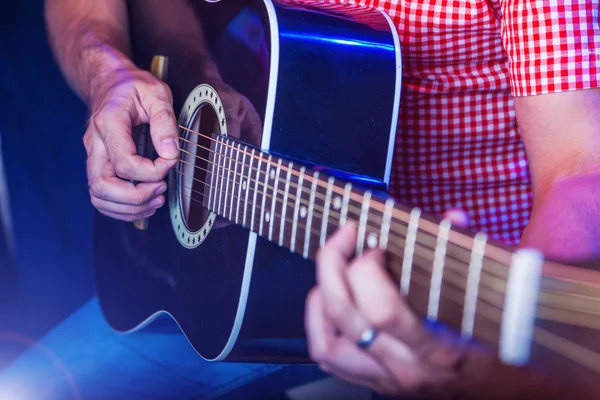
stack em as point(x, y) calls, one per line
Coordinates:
point(230, 257)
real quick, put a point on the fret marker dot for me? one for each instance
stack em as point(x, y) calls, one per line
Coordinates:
point(272, 174)
point(337, 202)
point(372, 240)
point(244, 185)
point(303, 212)
point(267, 216)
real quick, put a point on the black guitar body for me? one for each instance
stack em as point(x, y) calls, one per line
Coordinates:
point(326, 87)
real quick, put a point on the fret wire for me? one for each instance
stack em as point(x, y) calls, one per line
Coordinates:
point(223, 193)
point(310, 213)
point(266, 185)
point(409, 250)
point(285, 199)
point(220, 176)
point(473, 279)
point(345, 202)
point(438, 270)
point(326, 209)
point(212, 176)
point(385, 226)
point(249, 175)
point(274, 199)
point(363, 221)
point(227, 186)
point(260, 158)
point(297, 209)
point(241, 183)
point(218, 161)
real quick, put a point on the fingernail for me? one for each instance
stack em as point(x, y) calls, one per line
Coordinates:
point(169, 145)
point(156, 202)
point(161, 189)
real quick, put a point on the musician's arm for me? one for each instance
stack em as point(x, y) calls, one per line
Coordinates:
point(561, 132)
point(90, 40)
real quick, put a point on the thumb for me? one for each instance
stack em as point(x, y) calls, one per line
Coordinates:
point(163, 128)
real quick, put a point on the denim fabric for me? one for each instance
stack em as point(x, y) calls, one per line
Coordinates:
point(82, 358)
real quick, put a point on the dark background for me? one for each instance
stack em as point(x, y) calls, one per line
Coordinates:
point(41, 126)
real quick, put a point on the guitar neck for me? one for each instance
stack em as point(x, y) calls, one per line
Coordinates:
point(477, 286)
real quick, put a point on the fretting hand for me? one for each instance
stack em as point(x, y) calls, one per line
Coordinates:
point(360, 329)
point(354, 296)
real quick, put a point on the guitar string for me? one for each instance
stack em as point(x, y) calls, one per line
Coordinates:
point(549, 340)
point(562, 346)
point(294, 196)
point(332, 211)
point(233, 196)
point(487, 281)
point(393, 245)
point(502, 273)
point(498, 253)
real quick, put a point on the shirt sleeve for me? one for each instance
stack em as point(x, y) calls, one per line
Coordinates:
point(552, 45)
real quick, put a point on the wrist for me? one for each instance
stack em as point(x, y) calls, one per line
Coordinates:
point(104, 67)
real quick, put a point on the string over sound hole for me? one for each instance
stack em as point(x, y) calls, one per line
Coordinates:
point(194, 167)
point(190, 188)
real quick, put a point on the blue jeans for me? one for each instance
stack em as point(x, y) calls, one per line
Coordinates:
point(83, 359)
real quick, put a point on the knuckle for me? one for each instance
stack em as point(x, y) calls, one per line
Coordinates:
point(136, 202)
point(163, 116)
point(95, 202)
point(97, 188)
point(97, 119)
point(386, 317)
point(159, 90)
point(338, 310)
point(123, 168)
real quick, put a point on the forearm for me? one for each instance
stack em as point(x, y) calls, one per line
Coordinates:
point(561, 132)
point(90, 41)
point(565, 222)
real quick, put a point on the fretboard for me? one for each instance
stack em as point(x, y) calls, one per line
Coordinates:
point(479, 287)
point(295, 206)
point(299, 208)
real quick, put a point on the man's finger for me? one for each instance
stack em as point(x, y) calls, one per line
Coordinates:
point(379, 300)
point(128, 217)
point(114, 126)
point(335, 354)
point(319, 332)
point(113, 189)
point(125, 209)
point(333, 260)
point(163, 124)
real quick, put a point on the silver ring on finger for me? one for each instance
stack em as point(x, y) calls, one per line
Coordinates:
point(367, 338)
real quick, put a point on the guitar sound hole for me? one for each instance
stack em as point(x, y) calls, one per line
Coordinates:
point(194, 179)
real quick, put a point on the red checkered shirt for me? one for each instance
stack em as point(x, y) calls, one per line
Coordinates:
point(457, 142)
